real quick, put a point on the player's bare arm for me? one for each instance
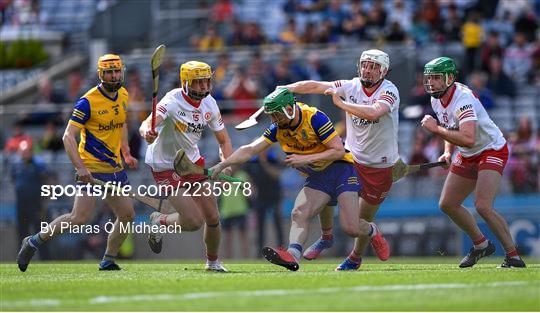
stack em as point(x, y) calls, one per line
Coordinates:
point(308, 86)
point(335, 151)
point(224, 141)
point(463, 137)
point(241, 155)
point(225, 147)
point(145, 130)
point(70, 143)
point(368, 112)
point(126, 151)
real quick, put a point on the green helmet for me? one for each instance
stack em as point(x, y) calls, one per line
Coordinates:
point(278, 101)
point(444, 66)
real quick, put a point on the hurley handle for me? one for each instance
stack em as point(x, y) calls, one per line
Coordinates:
point(222, 176)
point(430, 165)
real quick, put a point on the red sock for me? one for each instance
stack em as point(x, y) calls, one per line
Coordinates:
point(211, 257)
point(512, 253)
point(355, 257)
point(480, 243)
point(163, 219)
point(327, 233)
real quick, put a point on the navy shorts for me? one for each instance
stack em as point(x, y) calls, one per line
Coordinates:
point(118, 177)
point(337, 178)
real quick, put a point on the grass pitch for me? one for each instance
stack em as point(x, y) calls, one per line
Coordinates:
point(420, 284)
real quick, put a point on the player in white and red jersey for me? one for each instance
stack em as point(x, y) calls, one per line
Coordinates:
point(478, 167)
point(181, 117)
point(372, 104)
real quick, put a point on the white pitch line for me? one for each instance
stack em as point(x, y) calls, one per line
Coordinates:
point(288, 292)
point(30, 302)
point(259, 293)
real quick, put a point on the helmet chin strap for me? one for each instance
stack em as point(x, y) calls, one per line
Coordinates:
point(368, 84)
point(111, 86)
point(439, 94)
point(197, 96)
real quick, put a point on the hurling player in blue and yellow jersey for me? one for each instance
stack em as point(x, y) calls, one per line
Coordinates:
point(314, 148)
point(99, 117)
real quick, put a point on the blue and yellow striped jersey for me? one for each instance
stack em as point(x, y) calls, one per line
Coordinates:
point(311, 134)
point(101, 120)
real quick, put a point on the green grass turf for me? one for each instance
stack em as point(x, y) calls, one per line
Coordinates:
point(404, 284)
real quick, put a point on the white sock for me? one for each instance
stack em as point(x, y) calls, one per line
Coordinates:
point(481, 245)
point(374, 230)
point(295, 253)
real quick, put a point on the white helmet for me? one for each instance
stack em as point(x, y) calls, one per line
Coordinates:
point(376, 56)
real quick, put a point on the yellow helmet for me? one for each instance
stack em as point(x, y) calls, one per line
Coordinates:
point(110, 62)
point(194, 70)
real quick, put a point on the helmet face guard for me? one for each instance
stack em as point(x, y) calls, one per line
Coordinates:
point(195, 71)
point(282, 117)
point(439, 75)
point(194, 94)
point(376, 57)
point(437, 84)
point(282, 110)
point(277, 103)
point(108, 64)
point(367, 83)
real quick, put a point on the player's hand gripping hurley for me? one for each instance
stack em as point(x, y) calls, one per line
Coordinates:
point(157, 59)
point(184, 166)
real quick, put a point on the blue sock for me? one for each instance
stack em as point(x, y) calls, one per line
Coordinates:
point(296, 250)
point(107, 259)
point(36, 241)
point(296, 246)
point(373, 230)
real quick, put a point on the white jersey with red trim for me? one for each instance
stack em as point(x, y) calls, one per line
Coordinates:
point(182, 127)
point(372, 143)
point(465, 106)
